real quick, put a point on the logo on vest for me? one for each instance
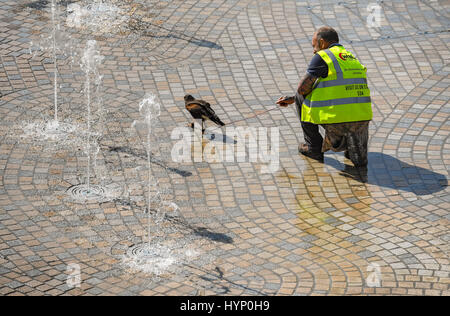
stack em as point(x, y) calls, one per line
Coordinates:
point(345, 56)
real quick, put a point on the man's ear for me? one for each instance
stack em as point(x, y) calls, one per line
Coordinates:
point(322, 43)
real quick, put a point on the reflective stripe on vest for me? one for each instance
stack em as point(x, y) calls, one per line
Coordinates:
point(343, 96)
point(340, 82)
point(337, 67)
point(321, 104)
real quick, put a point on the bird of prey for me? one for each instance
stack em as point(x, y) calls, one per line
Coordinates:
point(201, 110)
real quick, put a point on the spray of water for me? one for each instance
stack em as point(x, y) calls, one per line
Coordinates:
point(150, 110)
point(90, 61)
point(160, 258)
point(96, 16)
point(56, 42)
point(55, 24)
point(166, 249)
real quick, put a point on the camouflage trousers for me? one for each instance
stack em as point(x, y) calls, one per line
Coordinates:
point(351, 137)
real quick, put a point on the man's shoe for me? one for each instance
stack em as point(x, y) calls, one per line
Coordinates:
point(306, 151)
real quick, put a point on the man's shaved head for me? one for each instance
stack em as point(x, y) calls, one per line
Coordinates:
point(323, 38)
point(328, 33)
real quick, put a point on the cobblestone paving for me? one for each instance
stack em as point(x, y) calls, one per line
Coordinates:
point(309, 229)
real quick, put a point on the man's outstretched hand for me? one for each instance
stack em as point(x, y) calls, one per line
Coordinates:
point(285, 101)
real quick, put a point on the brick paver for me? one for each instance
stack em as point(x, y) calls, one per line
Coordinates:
point(308, 229)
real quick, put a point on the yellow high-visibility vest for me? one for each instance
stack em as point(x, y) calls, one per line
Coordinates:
point(343, 96)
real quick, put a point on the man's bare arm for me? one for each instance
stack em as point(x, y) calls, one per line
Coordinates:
point(304, 88)
point(306, 84)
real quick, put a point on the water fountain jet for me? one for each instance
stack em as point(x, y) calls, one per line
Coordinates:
point(56, 43)
point(164, 249)
point(149, 110)
point(88, 192)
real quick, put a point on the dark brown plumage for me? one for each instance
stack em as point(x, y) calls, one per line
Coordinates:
point(201, 110)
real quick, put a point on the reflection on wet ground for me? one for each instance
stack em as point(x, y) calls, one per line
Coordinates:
point(389, 172)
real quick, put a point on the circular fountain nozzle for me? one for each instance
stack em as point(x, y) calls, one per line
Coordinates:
point(93, 194)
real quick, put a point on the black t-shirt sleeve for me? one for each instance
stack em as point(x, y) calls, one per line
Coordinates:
point(318, 67)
